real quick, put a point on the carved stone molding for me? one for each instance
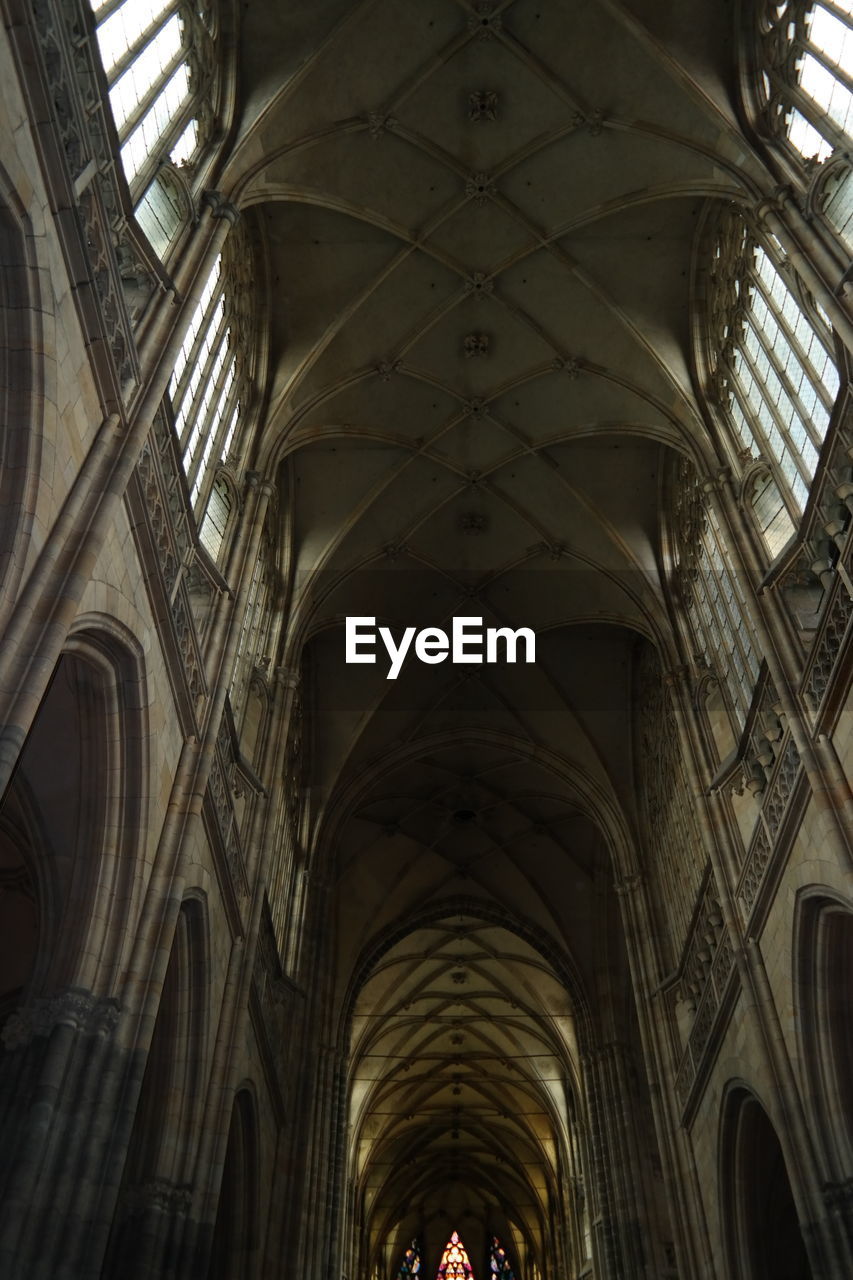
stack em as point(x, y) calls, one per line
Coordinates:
point(473, 523)
point(75, 1007)
point(485, 21)
point(475, 345)
point(478, 285)
point(483, 105)
point(776, 799)
point(569, 365)
point(220, 207)
point(379, 123)
point(92, 183)
point(160, 1194)
point(480, 188)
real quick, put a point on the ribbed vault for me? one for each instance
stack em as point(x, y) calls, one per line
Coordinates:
point(463, 1059)
point(480, 223)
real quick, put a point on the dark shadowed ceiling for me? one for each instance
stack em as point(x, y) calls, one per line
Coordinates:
point(480, 223)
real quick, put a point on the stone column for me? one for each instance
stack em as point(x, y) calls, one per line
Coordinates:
point(60, 1055)
point(625, 1227)
point(686, 1216)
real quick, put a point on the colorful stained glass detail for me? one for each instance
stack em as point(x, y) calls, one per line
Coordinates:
point(411, 1264)
point(499, 1263)
point(454, 1261)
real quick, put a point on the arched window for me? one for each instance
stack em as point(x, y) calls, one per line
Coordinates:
point(806, 94)
point(454, 1263)
point(217, 517)
point(807, 73)
point(214, 370)
point(773, 367)
point(160, 65)
point(499, 1264)
point(410, 1267)
point(714, 599)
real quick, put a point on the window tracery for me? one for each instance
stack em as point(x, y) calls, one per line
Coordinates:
point(713, 598)
point(212, 378)
point(807, 73)
point(159, 59)
point(772, 364)
point(806, 94)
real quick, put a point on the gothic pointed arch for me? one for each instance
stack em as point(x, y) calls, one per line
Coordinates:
point(160, 1150)
point(455, 1263)
point(760, 1218)
point(235, 1243)
point(823, 976)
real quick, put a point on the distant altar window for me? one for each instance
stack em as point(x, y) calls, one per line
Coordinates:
point(454, 1263)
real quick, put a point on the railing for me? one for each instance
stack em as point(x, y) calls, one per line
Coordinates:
point(100, 241)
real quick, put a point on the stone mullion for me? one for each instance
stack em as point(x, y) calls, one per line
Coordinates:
point(688, 1222)
point(49, 601)
point(821, 271)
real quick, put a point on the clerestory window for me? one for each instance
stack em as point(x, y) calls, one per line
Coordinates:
point(211, 385)
point(806, 90)
point(159, 61)
point(773, 365)
point(807, 73)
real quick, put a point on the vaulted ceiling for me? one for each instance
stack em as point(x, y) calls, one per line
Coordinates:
point(479, 222)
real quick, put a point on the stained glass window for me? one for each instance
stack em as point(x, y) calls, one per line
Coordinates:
point(454, 1261)
point(411, 1264)
point(499, 1264)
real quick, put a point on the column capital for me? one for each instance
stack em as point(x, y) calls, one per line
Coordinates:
point(220, 207)
point(628, 884)
point(254, 480)
point(290, 677)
